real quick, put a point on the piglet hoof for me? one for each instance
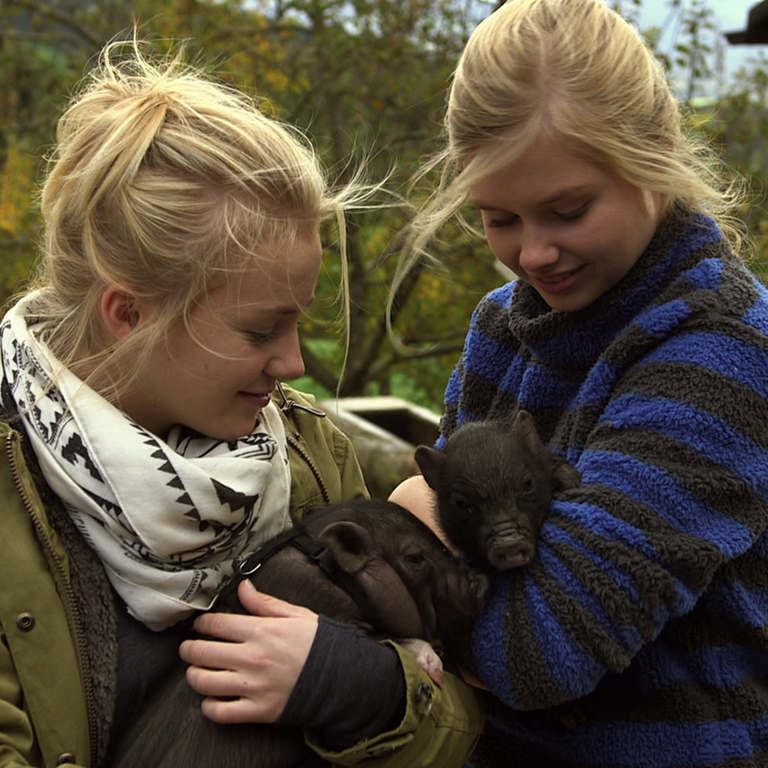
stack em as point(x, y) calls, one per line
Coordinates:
point(426, 658)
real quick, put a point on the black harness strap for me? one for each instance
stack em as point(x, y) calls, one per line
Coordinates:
point(316, 552)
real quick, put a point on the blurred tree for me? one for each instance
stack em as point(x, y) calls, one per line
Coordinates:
point(44, 49)
point(738, 123)
point(366, 80)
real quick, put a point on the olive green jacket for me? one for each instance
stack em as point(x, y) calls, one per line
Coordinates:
point(58, 639)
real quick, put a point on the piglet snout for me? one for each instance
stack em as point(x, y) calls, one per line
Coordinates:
point(510, 552)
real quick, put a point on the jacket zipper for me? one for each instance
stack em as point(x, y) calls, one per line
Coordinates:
point(287, 406)
point(71, 605)
point(293, 441)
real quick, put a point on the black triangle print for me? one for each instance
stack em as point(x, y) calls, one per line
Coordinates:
point(75, 451)
point(107, 506)
point(217, 527)
point(234, 499)
point(166, 466)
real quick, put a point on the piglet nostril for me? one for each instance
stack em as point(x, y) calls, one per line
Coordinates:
point(511, 555)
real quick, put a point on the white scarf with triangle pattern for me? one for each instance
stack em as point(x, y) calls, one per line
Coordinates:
point(168, 518)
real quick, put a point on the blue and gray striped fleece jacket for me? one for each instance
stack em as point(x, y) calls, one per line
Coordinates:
point(639, 634)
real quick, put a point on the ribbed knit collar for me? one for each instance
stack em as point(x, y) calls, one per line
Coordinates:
point(590, 330)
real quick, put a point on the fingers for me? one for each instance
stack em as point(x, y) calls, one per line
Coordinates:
point(232, 697)
point(248, 671)
point(239, 628)
point(262, 604)
point(236, 711)
point(220, 683)
point(210, 654)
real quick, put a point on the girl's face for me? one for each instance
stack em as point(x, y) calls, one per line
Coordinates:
point(569, 227)
point(215, 374)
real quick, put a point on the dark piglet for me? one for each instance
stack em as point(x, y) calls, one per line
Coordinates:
point(494, 484)
point(413, 587)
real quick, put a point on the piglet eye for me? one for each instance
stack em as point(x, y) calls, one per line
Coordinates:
point(461, 505)
point(527, 484)
point(414, 558)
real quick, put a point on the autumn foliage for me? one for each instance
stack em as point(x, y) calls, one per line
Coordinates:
point(366, 81)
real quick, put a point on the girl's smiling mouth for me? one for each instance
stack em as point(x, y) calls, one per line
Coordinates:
point(258, 399)
point(559, 282)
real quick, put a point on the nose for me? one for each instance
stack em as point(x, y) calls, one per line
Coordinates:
point(286, 361)
point(538, 252)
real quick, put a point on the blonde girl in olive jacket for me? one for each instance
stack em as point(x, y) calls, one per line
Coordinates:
point(147, 447)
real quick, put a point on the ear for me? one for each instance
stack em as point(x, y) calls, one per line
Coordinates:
point(529, 435)
point(120, 312)
point(564, 475)
point(430, 461)
point(350, 543)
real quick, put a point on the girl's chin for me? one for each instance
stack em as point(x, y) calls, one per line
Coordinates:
point(237, 426)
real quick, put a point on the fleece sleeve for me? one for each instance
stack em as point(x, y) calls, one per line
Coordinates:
point(675, 486)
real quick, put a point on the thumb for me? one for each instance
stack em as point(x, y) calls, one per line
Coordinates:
point(262, 604)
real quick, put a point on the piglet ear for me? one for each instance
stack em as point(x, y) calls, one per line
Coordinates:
point(526, 428)
point(564, 475)
point(430, 461)
point(350, 544)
